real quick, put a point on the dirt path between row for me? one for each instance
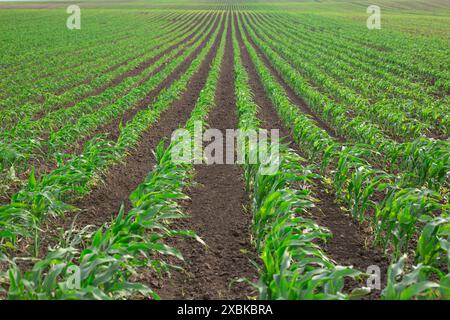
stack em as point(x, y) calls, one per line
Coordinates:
point(217, 215)
point(348, 245)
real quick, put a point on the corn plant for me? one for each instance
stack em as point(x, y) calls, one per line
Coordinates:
point(416, 284)
point(433, 246)
point(49, 195)
point(293, 263)
point(113, 253)
point(361, 186)
point(399, 214)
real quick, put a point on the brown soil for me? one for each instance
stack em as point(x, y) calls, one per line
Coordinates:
point(217, 215)
point(348, 245)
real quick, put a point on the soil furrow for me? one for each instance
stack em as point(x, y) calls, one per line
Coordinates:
point(217, 215)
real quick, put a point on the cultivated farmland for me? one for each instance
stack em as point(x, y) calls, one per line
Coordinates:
point(93, 204)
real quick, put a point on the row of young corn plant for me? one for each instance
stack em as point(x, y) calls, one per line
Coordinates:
point(293, 264)
point(19, 55)
point(427, 64)
point(421, 162)
point(98, 61)
point(375, 82)
point(51, 194)
point(27, 126)
point(394, 213)
point(33, 74)
point(355, 180)
point(92, 36)
point(391, 120)
point(356, 56)
point(106, 259)
point(87, 123)
point(430, 277)
point(125, 87)
point(385, 113)
point(83, 81)
point(103, 263)
point(336, 77)
point(414, 159)
point(16, 154)
point(54, 75)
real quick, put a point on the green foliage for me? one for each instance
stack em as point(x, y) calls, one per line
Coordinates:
point(293, 264)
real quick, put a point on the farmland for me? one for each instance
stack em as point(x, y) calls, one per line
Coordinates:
point(93, 204)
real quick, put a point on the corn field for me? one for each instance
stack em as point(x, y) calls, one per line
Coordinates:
point(94, 205)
